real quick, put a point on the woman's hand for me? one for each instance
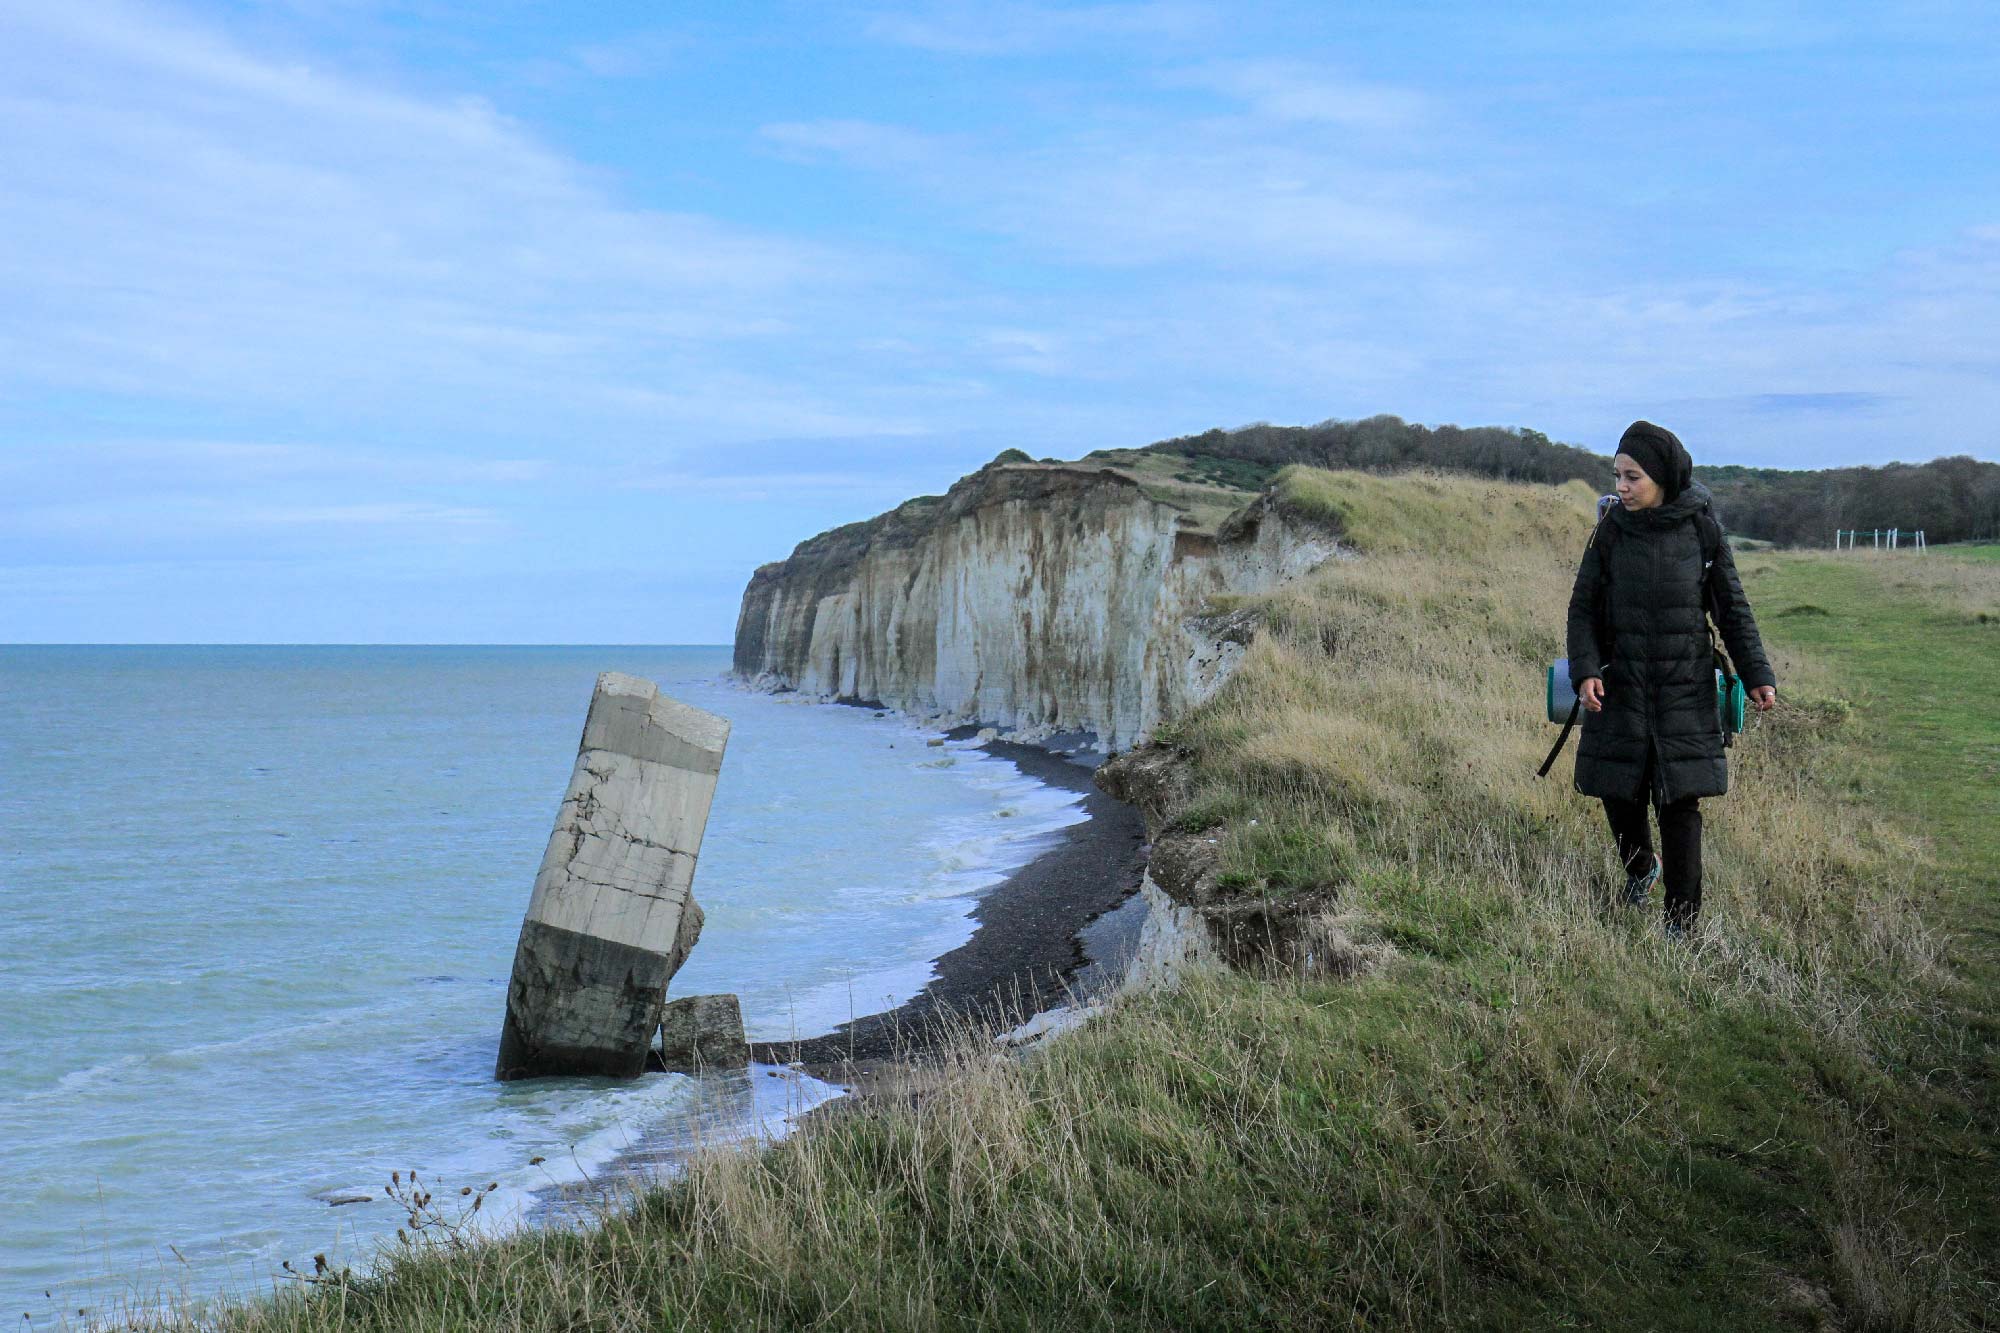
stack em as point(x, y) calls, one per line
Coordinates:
point(1764, 696)
point(1592, 694)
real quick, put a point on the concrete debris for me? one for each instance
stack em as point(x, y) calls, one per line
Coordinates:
point(700, 1032)
point(613, 916)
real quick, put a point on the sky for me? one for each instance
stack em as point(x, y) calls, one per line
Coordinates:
point(463, 321)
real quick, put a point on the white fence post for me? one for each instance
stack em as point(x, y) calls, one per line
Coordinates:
point(1882, 539)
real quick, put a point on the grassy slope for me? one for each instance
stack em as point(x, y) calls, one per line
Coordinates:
point(1527, 1110)
point(1917, 641)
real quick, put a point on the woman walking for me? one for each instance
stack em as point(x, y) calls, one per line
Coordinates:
point(1640, 652)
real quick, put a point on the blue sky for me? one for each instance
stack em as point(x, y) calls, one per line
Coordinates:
point(441, 321)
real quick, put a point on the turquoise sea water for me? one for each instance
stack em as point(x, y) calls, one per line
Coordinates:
point(258, 907)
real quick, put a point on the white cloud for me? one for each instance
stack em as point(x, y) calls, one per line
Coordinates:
point(756, 486)
point(1033, 351)
point(1288, 90)
point(184, 219)
point(219, 236)
point(153, 465)
point(1003, 27)
point(138, 521)
point(379, 514)
point(860, 143)
point(1226, 202)
point(634, 55)
point(1174, 194)
point(1340, 248)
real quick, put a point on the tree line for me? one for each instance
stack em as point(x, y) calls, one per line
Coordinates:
point(1952, 499)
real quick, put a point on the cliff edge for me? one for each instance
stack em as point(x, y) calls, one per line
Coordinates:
point(1042, 598)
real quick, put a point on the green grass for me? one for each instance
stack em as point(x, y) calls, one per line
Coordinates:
point(1518, 1107)
point(1926, 685)
point(1204, 493)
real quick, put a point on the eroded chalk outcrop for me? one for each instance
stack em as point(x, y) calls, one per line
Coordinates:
point(1040, 598)
point(613, 915)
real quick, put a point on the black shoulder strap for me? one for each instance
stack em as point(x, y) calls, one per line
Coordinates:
point(1603, 532)
point(1601, 537)
point(1569, 724)
point(1710, 530)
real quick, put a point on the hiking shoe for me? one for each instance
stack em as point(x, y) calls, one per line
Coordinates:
point(1638, 887)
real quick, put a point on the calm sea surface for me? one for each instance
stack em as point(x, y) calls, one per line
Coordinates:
point(258, 907)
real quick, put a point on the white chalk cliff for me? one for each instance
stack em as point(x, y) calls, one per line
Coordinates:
point(1040, 598)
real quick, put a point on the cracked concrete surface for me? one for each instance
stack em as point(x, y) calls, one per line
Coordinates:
point(613, 915)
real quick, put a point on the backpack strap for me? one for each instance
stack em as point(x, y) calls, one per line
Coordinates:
point(1710, 532)
point(1603, 537)
point(1601, 534)
point(1569, 724)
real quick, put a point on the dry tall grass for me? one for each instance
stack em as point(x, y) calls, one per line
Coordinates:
point(1537, 1113)
point(1965, 587)
point(1397, 703)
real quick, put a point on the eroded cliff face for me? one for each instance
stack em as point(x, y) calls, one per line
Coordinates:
point(1037, 598)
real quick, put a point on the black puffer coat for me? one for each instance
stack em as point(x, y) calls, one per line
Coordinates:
point(1637, 618)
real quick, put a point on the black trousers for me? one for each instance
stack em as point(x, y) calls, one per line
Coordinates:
point(1680, 848)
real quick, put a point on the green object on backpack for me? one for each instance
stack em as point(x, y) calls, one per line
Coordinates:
point(1729, 702)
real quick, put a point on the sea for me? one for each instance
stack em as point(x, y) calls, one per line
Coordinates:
point(258, 908)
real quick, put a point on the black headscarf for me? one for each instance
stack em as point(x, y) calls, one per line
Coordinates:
point(1659, 451)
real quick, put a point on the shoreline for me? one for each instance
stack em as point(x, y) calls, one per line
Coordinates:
point(1028, 944)
point(1062, 921)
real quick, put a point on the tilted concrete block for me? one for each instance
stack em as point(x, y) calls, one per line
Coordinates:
point(613, 916)
point(703, 1032)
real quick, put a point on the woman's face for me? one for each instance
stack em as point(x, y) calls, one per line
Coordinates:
point(1636, 490)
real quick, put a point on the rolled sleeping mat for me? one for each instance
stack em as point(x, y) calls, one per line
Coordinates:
point(1561, 693)
point(1561, 696)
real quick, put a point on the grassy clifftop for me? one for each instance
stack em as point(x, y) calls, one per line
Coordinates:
point(1521, 1107)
